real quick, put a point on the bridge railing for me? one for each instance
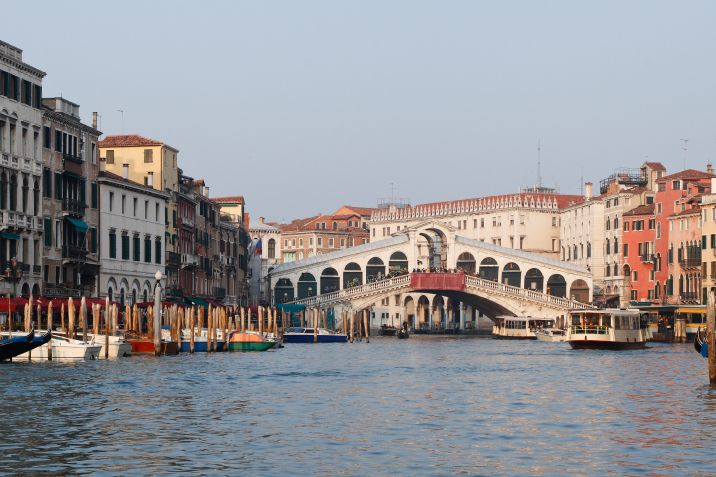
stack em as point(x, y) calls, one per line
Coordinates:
point(347, 293)
point(523, 292)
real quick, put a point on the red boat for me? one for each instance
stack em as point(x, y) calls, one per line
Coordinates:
point(146, 346)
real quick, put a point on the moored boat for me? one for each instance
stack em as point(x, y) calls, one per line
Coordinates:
point(249, 341)
point(518, 327)
point(118, 346)
point(551, 335)
point(613, 329)
point(15, 346)
point(146, 346)
point(63, 348)
point(387, 330)
point(305, 335)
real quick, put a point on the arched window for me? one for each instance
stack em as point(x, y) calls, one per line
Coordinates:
point(589, 250)
point(616, 245)
point(271, 248)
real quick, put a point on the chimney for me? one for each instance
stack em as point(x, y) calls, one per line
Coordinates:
point(150, 179)
point(710, 168)
point(206, 191)
point(94, 120)
point(125, 171)
point(261, 220)
point(587, 190)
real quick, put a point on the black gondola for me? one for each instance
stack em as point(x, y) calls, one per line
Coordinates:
point(11, 347)
point(403, 332)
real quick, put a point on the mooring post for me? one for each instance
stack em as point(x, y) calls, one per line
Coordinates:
point(710, 324)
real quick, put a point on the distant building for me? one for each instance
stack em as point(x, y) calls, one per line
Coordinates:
point(132, 230)
point(21, 137)
point(263, 255)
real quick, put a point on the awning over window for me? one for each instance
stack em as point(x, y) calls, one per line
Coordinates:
point(291, 307)
point(79, 224)
point(9, 236)
point(199, 301)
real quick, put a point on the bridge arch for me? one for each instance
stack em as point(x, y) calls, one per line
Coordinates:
point(307, 286)
point(432, 244)
point(489, 270)
point(374, 269)
point(283, 291)
point(410, 311)
point(557, 285)
point(352, 275)
point(467, 263)
point(512, 275)
point(398, 263)
point(424, 309)
point(330, 280)
point(534, 280)
point(579, 290)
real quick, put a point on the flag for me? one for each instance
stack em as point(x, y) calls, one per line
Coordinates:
point(258, 247)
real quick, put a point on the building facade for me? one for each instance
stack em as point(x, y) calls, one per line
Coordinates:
point(70, 203)
point(132, 238)
point(21, 136)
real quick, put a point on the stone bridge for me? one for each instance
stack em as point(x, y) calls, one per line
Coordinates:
point(488, 278)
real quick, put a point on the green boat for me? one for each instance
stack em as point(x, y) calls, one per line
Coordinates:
point(249, 341)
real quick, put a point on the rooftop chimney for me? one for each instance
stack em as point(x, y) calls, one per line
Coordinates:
point(206, 191)
point(94, 119)
point(710, 168)
point(125, 171)
point(150, 179)
point(261, 220)
point(587, 190)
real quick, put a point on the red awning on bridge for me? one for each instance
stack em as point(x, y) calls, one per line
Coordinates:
point(438, 281)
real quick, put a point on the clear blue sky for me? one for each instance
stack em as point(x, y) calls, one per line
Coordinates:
point(302, 106)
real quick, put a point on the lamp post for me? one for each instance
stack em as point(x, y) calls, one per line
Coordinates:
point(157, 313)
point(12, 274)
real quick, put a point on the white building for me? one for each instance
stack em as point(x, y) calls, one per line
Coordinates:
point(21, 167)
point(259, 264)
point(132, 238)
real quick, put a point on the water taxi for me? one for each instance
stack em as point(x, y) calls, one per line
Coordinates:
point(606, 329)
point(305, 335)
point(519, 327)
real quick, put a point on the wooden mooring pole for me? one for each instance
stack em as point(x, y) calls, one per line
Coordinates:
point(710, 325)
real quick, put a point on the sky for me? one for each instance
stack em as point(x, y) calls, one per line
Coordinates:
point(304, 106)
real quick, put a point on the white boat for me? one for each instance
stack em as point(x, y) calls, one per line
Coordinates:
point(551, 335)
point(610, 328)
point(118, 346)
point(519, 327)
point(63, 349)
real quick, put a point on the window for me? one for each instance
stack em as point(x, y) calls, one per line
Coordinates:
point(148, 249)
point(319, 241)
point(48, 232)
point(134, 208)
point(93, 240)
point(124, 200)
point(46, 137)
point(146, 209)
point(148, 156)
point(330, 242)
point(608, 224)
point(554, 221)
point(156, 211)
point(125, 246)
point(93, 195)
point(482, 223)
point(110, 156)
point(634, 276)
point(675, 185)
point(58, 185)
point(626, 249)
point(158, 251)
point(136, 248)
point(111, 201)
point(112, 244)
point(47, 183)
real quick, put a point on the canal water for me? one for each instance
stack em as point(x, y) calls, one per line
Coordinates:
point(423, 406)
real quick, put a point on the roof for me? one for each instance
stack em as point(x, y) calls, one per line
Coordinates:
point(647, 209)
point(130, 140)
point(657, 166)
point(688, 174)
point(364, 211)
point(118, 178)
point(685, 212)
point(234, 199)
point(563, 200)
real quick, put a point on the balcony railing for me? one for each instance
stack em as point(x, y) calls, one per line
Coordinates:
point(647, 257)
point(72, 158)
point(73, 206)
point(73, 252)
point(690, 262)
point(36, 269)
point(173, 259)
point(690, 297)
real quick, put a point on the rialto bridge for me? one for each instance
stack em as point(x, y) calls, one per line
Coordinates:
point(434, 276)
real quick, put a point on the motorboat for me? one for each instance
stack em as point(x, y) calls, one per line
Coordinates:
point(201, 341)
point(611, 328)
point(551, 335)
point(63, 348)
point(519, 327)
point(118, 346)
point(305, 335)
point(387, 330)
point(250, 341)
point(12, 347)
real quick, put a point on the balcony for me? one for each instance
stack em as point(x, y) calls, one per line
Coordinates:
point(73, 206)
point(647, 257)
point(72, 158)
point(690, 298)
point(173, 259)
point(186, 222)
point(188, 260)
point(74, 252)
point(690, 262)
point(36, 269)
point(219, 293)
point(17, 219)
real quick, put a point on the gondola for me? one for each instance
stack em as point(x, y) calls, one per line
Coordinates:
point(701, 343)
point(11, 347)
point(403, 332)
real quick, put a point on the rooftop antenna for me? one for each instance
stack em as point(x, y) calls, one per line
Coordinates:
point(685, 147)
point(121, 111)
point(539, 164)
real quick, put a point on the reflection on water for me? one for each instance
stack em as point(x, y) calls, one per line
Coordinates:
point(391, 407)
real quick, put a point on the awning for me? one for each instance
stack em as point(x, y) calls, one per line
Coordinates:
point(9, 236)
point(199, 301)
point(79, 224)
point(291, 307)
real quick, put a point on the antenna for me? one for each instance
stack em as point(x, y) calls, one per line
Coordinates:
point(685, 147)
point(121, 111)
point(539, 164)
